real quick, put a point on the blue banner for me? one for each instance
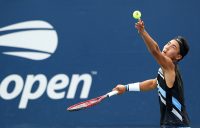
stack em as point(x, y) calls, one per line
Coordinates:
point(57, 53)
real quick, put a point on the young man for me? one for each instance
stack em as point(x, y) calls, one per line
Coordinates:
point(168, 81)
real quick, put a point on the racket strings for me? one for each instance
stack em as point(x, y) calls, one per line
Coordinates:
point(86, 104)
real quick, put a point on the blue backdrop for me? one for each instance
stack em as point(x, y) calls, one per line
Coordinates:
point(95, 38)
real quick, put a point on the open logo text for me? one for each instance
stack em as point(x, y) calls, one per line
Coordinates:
point(34, 86)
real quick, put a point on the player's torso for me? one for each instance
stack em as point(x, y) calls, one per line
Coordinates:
point(171, 100)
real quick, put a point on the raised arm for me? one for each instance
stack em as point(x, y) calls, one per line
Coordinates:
point(153, 47)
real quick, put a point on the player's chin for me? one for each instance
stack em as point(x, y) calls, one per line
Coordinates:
point(163, 53)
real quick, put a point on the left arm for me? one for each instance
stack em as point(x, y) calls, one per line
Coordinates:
point(146, 85)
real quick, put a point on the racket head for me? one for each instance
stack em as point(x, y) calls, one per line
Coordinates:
point(86, 104)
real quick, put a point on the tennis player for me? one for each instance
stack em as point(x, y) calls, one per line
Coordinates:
point(168, 82)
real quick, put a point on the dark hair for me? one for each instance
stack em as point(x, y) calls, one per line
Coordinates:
point(183, 44)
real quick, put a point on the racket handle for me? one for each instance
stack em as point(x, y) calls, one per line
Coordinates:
point(112, 93)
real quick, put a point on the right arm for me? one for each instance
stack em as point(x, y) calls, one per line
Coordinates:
point(153, 47)
point(146, 85)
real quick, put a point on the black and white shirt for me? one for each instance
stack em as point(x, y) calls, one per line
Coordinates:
point(172, 106)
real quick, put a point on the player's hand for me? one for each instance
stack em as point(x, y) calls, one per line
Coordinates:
point(120, 88)
point(140, 26)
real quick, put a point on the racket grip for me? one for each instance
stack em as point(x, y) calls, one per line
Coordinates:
point(112, 93)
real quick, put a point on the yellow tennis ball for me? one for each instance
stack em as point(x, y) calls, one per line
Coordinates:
point(137, 14)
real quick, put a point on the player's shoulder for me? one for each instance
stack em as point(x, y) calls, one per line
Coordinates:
point(169, 65)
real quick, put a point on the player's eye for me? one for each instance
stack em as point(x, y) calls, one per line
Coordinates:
point(173, 46)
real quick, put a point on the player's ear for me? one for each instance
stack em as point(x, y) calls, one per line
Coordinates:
point(178, 57)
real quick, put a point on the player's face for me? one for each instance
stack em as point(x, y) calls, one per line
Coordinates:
point(171, 49)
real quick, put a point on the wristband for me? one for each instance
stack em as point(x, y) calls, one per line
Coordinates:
point(133, 87)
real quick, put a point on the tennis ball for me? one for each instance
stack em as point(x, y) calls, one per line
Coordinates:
point(137, 14)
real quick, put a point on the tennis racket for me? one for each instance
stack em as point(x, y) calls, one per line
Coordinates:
point(91, 102)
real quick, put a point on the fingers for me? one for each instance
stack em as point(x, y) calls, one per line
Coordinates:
point(142, 23)
point(139, 25)
point(120, 88)
point(114, 89)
